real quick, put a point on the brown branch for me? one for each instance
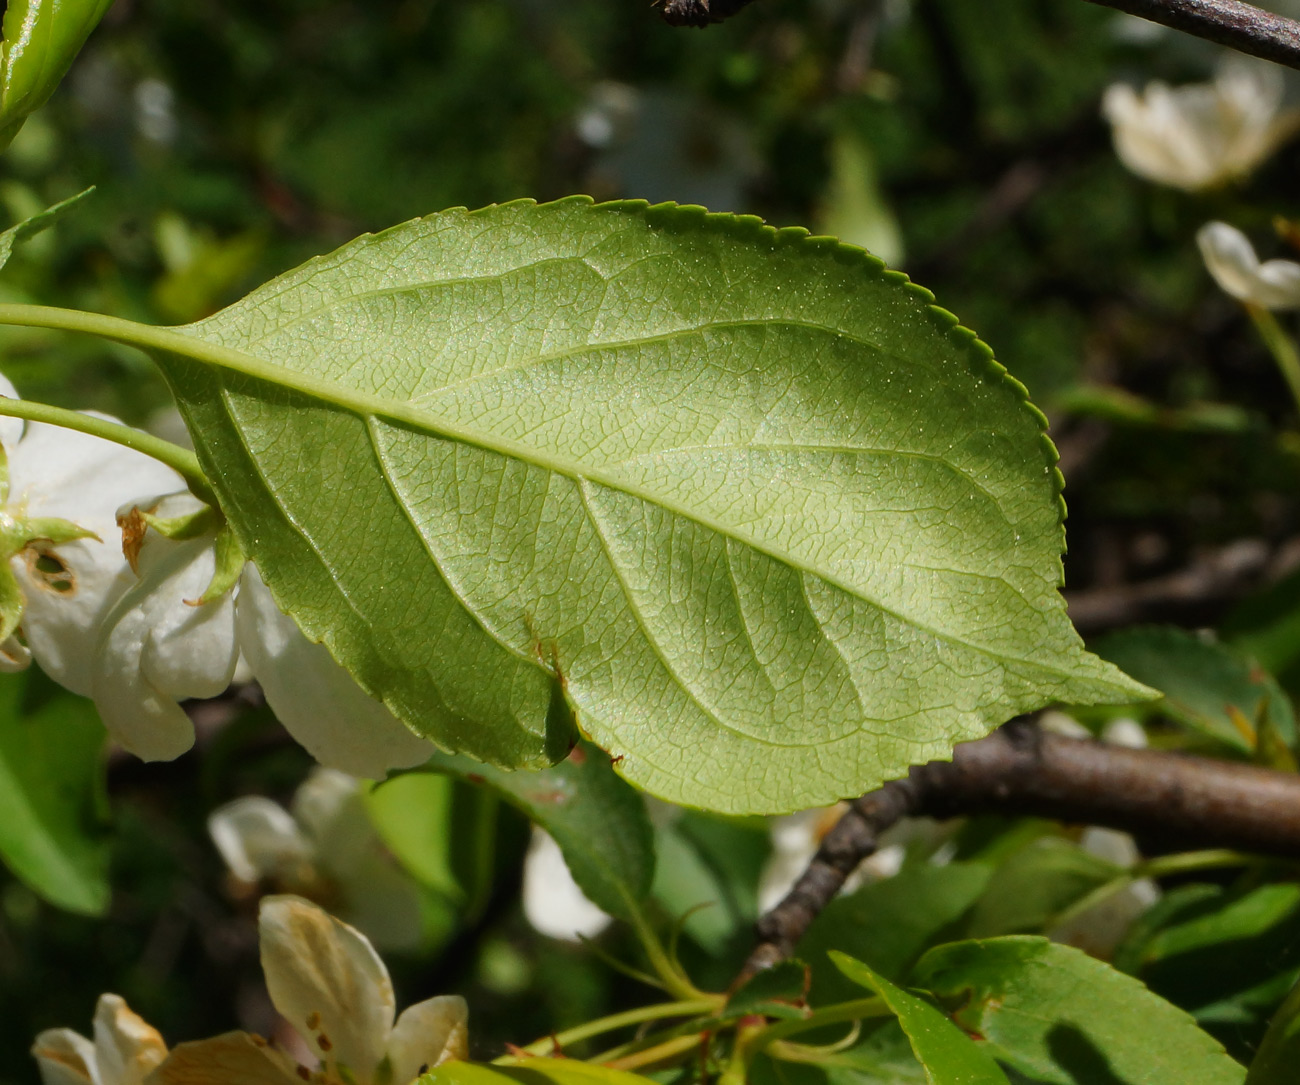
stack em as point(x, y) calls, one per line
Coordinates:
point(1239, 26)
point(1191, 595)
point(700, 12)
point(1020, 770)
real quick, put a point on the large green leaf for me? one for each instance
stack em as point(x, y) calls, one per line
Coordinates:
point(1062, 1018)
point(949, 1056)
point(771, 522)
point(599, 821)
point(52, 832)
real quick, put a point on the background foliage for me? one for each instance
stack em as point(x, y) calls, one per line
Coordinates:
point(232, 140)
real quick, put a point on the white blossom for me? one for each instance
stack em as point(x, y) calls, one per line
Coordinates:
point(553, 903)
point(1203, 135)
point(1231, 260)
point(124, 1049)
point(324, 848)
point(132, 634)
point(67, 586)
point(326, 980)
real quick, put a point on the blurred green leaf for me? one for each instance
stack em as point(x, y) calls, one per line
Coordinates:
point(889, 923)
point(598, 820)
point(1063, 1018)
point(1223, 947)
point(1279, 1055)
point(52, 831)
point(441, 830)
point(949, 1056)
point(708, 873)
point(1202, 680)
point(16, 235)
point(1036, 885)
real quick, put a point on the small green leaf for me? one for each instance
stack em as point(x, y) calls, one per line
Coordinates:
point(1279, 1055)
point(52, 832)
point(1062, 1018)
point(949, 1056)
point(1203, 680)
point(774, 525)
point(538, 1071)
point(41, 39)
point(598, 820)
point(778, 991)
point(888, 924)
point(16, 235)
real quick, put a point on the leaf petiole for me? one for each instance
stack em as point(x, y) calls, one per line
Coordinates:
point(181, 460)
point(548, 1045)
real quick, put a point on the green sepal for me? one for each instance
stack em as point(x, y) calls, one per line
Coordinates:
point(192, 525)
point(11, 602)
point(230, 562)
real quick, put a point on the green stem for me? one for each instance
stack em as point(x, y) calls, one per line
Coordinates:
point(661, 1053)
point(1280, 345)
point(1186, 862)
point(858, 1010)
point(549, 1044)
point(181, 460)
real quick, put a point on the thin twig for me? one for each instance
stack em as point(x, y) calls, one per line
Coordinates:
point(1020, 770)
point(1239, 26)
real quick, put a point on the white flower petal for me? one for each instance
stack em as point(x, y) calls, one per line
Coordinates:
point(154, 649)
point(15, 656)
point(1125, 732)
point(85, 479)
point(324, 797)
point(378, 897)
point(553, 903)
point(1230, 258)
point(64, 1057)
point(327, 981)
point(427, 1035)
point(1202, 135)
point(61, 473)
point(126, 1047)
point(233, 1058)
point(314, 697)
point(258, 838)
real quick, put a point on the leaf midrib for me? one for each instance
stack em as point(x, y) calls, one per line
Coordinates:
point(363, 404)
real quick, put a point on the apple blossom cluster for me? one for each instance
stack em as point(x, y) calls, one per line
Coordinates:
point(326, 981)
point(106, 586)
